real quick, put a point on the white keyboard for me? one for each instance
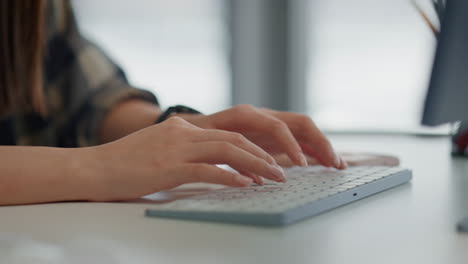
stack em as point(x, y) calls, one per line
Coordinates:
point(308, 192)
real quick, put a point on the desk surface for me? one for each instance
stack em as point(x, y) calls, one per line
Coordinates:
point(413, 223)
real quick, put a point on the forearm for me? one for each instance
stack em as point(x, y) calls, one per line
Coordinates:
point(128, 117)
point(42, 174)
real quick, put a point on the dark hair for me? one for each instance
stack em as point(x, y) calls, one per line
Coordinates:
point(21, 55)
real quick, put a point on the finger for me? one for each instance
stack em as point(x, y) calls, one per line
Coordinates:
point(197, 172)
point(284, 161)
point(226, 153)
point(236, 139)
point(305, 130)
point(344, 164)
point(282, 135)
point(314, 153)
point(257, 179)
point(260, 180)
point(319, 142)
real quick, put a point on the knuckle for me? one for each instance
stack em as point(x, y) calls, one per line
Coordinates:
point(244, 108)
point(172, 122)
point(237, 138)
point(175, 120)
point(278, 125)
point(177, 131)
point(304, 119)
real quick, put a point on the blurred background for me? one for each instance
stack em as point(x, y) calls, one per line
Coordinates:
point(359, 65)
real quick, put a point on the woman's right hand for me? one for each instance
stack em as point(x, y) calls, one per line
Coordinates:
point(172, 153)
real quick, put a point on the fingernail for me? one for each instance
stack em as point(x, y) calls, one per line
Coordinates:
point(244, 180)
point(261, 181)
point(257, 179)
point(345, 164)
point(337, 161)
point(303, 160)
point(278, 172)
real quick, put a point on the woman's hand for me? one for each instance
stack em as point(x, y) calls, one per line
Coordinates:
point(173, 153)
point(276, 132)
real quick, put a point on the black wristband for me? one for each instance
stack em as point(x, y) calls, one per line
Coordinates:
point(178, 109)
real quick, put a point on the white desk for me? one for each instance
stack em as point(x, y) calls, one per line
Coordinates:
point(413, 223)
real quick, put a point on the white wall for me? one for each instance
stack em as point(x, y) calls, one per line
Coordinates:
point(370, 64)
point(176, 48)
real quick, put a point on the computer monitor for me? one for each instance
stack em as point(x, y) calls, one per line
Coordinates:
point(447, 96)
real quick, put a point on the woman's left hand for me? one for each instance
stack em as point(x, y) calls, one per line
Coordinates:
point(276, 132)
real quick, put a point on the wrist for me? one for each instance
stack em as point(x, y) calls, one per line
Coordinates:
point(127, 117)
point(85, 173)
